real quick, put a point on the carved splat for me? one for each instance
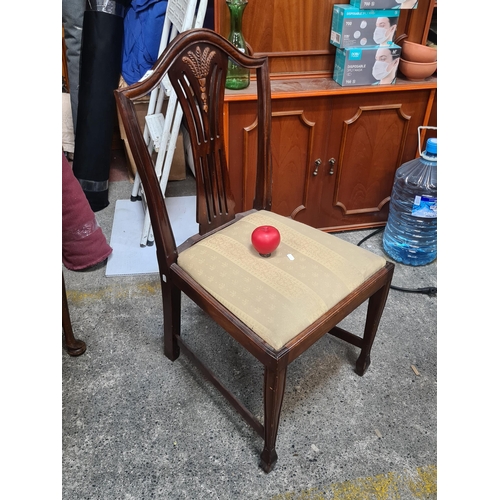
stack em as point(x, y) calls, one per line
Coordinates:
point(199, 63)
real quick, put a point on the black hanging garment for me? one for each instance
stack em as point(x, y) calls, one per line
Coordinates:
point(101, 54)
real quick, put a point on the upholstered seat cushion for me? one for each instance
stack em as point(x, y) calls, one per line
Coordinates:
point(278, 296)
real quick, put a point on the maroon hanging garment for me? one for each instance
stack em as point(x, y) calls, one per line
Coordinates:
point(83, 242)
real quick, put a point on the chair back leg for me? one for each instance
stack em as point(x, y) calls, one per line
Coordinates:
point(376, 305)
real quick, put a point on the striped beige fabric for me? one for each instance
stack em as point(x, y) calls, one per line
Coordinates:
point(278, 297)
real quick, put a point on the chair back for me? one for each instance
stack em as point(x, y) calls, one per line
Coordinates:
point(196, 65)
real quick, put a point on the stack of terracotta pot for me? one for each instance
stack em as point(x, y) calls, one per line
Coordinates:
point(418, 61)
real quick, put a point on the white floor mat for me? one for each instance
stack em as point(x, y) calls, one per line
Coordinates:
point(128, 256)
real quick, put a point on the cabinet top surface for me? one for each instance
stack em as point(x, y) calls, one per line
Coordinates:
point(306, 87)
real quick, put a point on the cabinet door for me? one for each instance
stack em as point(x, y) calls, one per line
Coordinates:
point(299, 128)
point(371, 135)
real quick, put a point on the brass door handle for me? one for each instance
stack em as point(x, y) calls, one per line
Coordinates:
point(331, 161)
point(317, 163)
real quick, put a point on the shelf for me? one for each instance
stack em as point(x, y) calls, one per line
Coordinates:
point(306, 87)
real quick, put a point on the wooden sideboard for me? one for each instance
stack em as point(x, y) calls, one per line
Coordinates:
point(335, 149)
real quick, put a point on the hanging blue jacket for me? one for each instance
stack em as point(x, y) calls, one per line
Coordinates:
point(143, 24)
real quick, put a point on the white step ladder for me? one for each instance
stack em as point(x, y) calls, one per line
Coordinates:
point(162, 130)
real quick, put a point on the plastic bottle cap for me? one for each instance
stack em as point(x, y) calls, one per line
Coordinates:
point(432, 146)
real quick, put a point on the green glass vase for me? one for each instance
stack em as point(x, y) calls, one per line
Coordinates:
point(237, 77)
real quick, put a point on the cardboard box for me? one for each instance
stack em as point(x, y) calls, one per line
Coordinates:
point(353, 27)
point(384, 4)
point(178, 167)
point(366, 65)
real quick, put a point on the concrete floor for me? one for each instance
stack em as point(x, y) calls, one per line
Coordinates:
point(137, 426)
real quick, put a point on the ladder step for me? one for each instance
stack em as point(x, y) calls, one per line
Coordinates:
point(155, 126)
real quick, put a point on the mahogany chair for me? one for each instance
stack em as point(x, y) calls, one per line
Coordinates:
point(275, 307)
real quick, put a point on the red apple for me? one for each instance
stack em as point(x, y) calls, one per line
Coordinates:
point(265, 240)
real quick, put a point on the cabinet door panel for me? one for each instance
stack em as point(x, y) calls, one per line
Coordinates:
point(291, 144)
point(371, 147)
point(374, 140)
point(242, 143)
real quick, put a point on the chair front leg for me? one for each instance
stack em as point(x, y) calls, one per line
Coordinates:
point(171, 296)
point(274, 389)
point(376, 305)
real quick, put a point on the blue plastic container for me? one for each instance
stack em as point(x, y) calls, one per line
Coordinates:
point(410, 236)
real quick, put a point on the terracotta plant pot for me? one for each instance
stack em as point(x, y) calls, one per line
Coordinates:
point(416, 52)
point(415, 71)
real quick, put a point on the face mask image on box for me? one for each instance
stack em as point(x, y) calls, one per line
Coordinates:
point(384, 31)
point(385, 66)
point(380, 70)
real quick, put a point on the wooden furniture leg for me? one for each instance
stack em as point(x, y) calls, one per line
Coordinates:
point(74, 346)
point(171, 296)
point(376, 305)
point(274, 389)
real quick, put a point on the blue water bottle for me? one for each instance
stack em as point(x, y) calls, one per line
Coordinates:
point(410, 236)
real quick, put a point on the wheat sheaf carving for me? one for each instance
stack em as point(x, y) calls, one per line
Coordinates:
point(199, 62)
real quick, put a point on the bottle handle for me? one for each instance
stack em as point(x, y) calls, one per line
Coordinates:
point(433, 158)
